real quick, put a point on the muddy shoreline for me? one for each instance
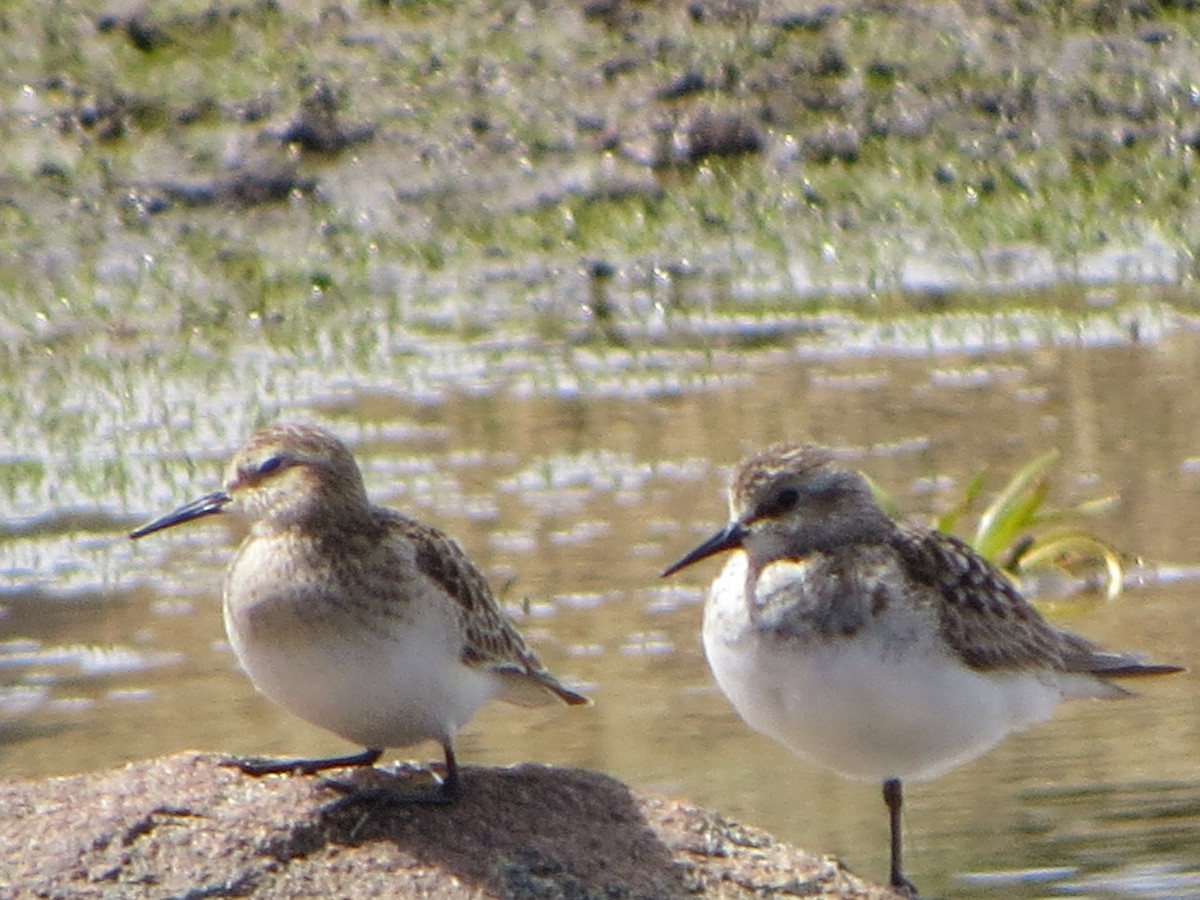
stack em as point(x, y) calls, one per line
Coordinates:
point(816, 150)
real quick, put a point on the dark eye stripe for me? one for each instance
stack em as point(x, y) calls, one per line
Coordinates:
point(778, 502)
point(269, 465)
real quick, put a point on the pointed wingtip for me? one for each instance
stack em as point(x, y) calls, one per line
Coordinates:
point(573, 699)
point(1138, 670)
point(1112, 665)
point(525, 687)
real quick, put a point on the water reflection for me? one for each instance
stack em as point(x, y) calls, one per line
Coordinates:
point(572, 487)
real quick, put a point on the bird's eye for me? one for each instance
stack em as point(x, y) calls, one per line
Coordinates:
point(269, 465)
point(779, 502)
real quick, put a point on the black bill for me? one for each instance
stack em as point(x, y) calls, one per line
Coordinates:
point(205, 506)
point(727, 538)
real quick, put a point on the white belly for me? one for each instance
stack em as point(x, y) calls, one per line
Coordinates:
point(378, 688)
point(887, 702)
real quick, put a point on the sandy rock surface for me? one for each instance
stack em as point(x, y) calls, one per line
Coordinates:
point(184, 826)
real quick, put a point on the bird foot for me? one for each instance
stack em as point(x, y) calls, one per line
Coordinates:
point(257, 766)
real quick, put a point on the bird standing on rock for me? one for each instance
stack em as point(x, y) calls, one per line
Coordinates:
point(357, 618)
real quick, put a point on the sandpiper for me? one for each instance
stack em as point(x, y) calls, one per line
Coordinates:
point(356, 618)
point(880, 650)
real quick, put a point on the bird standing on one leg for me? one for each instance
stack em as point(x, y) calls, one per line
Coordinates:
point(877, 649)
point(356, 618)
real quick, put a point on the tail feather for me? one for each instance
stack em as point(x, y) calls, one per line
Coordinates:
point(533, 688)
point(1091, 659)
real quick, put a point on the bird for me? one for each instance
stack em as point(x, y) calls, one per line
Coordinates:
point(881, 650)
point(357, 618)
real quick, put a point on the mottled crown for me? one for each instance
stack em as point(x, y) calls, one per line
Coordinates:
point(805, 493)
point(298, 468)
point(794, 462)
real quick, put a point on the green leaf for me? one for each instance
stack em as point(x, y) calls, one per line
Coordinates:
point(1051, 549)
point(885, 500)
point(949, 519)
point(1014, 508)
point(1013, 530)
point(1086, 508)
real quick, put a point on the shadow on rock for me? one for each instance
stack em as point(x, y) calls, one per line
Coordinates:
point(521, 832)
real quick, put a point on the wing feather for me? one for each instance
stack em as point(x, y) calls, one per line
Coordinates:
point(990, 624)
point(490, 638)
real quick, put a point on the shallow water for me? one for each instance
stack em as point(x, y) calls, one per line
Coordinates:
point(573, 474)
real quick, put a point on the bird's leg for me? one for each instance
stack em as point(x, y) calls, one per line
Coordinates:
point(445, 793)
point(893, 796)
point(258, 765)
point(451, 787)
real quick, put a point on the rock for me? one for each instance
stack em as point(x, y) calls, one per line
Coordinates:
point(720, 134)
point(183, 826)
point(246, 188)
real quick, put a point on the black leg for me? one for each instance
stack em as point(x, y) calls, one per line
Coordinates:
point(257, 765)
point(445, 793)
point(451, 787)
point(893, 796)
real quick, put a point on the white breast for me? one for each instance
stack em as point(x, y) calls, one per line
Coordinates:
point(890, 701)
point(377, 678)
